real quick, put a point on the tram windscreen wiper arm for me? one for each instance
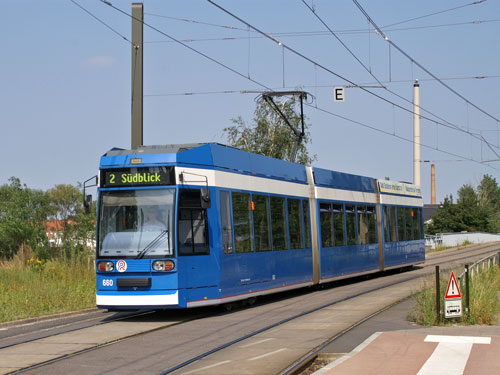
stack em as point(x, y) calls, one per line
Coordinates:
point(150, 245)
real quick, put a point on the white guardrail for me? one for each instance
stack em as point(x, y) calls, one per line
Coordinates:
point(458, 239)
point(481, 265)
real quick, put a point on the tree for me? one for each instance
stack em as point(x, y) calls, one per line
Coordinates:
point(65, 201)
point(489, 192)
point(22, 213)
point(78, 229)
point(472, 216)
point(475, 210)
point(270, 135)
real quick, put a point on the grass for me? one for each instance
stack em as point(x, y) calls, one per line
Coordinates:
point(484, 301)
point(31, 287)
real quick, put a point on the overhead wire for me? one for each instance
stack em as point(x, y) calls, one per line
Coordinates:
point(386, 38)
point(310, 105)
point(196, 22)
point(101, 21)
point(435, 13)
point(443, 79)
point(341, 42)
point(444, 161)
point(293, 34)
point(398, 136)
point(246, 91)
point(315, 13)
point(185, 45)
point(192, 21)
point(353, 84)
point(204, 93)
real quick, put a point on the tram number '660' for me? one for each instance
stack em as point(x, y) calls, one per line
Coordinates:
point(107, 282)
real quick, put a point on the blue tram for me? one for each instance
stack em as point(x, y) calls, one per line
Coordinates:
point(182, 226)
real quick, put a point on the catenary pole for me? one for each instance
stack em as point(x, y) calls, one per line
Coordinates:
point(137, 74)
point(416, 134)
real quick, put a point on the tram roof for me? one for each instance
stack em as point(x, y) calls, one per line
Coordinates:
point(208, 155)
point(222, 157)
point(346, 181)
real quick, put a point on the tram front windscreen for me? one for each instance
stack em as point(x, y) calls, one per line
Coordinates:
point(136, 223)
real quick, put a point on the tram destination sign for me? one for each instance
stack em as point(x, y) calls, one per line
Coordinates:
point(144, 176)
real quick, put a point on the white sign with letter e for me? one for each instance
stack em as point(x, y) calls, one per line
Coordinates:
point(338, 94)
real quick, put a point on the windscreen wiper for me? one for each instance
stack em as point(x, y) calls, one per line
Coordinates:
point(152, 244)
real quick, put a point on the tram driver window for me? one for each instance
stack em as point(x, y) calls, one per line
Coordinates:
point(193, 229)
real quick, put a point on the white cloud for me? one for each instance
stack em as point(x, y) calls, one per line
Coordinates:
point(100, 61)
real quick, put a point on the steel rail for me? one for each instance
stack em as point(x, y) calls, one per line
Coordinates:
point(133, 315)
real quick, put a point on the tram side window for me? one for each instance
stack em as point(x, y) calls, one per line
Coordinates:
point(242, 219)
point(390, 227)
point(385, 210)
point(408, 223)
point(393, 224)
point(278, 223)
point(401, 224)
point(227, 229)
point(193, 229)
point(350, 218)
point(372, 224)
point(367, 225)
point(261, 228)
point(417, 227)
point(338, 224)
point(326, 221)
point(420, 217)
point(295, 224)
point(307, 224)
point(362, 225)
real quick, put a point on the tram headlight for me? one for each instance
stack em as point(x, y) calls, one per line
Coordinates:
point(163, 265)
point(106, 266)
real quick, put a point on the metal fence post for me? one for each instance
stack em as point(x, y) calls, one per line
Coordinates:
point(467, 300)
point(438, 296)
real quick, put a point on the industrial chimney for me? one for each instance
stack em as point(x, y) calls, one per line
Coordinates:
point(433, 184)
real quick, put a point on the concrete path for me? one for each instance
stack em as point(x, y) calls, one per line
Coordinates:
point(20, 356)
point(411, 353)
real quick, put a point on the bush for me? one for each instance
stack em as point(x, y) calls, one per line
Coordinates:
point(30, 286)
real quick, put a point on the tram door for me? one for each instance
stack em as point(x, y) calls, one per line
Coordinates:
point(242, 267)
point(197, 266)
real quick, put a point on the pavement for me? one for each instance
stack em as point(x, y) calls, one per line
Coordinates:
point(396, 346)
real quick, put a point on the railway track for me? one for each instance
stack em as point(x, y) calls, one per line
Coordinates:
point(453, 257)
point(296, 367)
point(46, 329)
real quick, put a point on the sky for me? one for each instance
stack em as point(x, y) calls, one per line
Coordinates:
point(65, 74)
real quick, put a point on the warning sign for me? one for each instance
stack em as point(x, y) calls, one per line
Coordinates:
point(453, 291)
point(453, 308)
